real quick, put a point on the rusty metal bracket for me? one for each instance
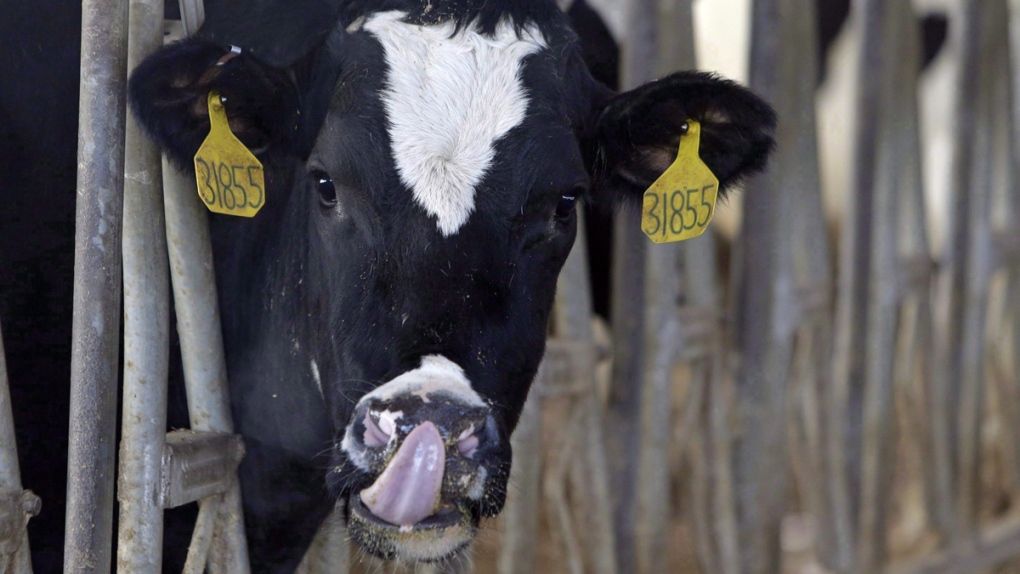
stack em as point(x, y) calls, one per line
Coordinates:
point(16, 508)
point(197, 465)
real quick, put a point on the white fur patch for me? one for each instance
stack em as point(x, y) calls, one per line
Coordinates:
point(436, 374)
point(317, 378)
point(449, 98)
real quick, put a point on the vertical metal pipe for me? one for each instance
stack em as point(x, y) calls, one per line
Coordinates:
point(813, 273)
point(766, 307)
point(975, 236)
point(665, 285)
point(884, 293)
point(628, 308)
point(520, 517)
point(10, 474)
point(201, 538)
point(192, 15)
point(198, 321)
point(955, 272)
point(97, 288)
point(845, 400)
point(146, 327)
point(573, 314)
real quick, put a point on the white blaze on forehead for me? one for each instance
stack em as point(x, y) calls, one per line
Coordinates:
point(436, 374)
point(449, 98)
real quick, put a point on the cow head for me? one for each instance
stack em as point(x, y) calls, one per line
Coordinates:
point(424, 163)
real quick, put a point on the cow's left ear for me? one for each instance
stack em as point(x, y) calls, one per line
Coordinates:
point(636, 135)
point(168, 93)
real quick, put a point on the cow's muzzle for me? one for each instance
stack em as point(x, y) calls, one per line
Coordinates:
point(425, 440)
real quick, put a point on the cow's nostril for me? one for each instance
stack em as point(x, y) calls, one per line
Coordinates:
point(377, 435)
point(467, 442)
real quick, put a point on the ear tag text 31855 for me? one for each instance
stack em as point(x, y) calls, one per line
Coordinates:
point(681, 203)
point(230, 177)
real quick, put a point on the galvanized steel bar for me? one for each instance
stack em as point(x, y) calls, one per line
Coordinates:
point(14, 549)
point(638, 56)
point(97, 288)
point(663, 338)
point(897, 90)
point(1011, 209)
point(146, 327)
point(520, 517)
point(972, 245)
point(950, 388)
point(201, 538)
point(766, 304)
point(812, 269)
point(192, 15)
point(198, 322)
point(855, 277)
point(573, 321)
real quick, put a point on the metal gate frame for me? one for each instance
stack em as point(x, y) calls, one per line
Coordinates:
point(157, 470)
point(17, 506)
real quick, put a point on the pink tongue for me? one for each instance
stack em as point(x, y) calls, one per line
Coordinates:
point(407, 491)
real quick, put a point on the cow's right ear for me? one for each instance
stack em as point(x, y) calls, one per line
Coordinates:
point(168, 93)
point(637, 134)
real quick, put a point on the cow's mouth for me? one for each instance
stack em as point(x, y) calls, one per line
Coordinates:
point(415, 509)
point(437, 537)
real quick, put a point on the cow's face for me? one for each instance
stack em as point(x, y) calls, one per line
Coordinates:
point(433, 168)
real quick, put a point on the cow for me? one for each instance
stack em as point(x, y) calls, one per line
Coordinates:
point(385, 312)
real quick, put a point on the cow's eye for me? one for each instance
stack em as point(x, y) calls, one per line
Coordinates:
point(324, 185)
point(566, 205)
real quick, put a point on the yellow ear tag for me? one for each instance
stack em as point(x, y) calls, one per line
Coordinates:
point(681, 203)
point(230, 178)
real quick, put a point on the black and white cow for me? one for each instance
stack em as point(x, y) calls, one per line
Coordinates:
point(385, 313)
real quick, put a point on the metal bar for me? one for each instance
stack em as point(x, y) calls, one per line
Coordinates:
point(663, 340)
point(146, 327)
point(855, 266)
point(572, 318)
point(765, 308)
point(954, 273)
point(976, 231)
point(192, 15)
point(1012, 210)
point(201, 539)
point(720, 398)
point(198, 321)
point(813, 271)
point(638, 55)
point(13, 538)
point(884, 294)
point(554, 487)
point(915, 373)
point(520, 517)
point(97, 288)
